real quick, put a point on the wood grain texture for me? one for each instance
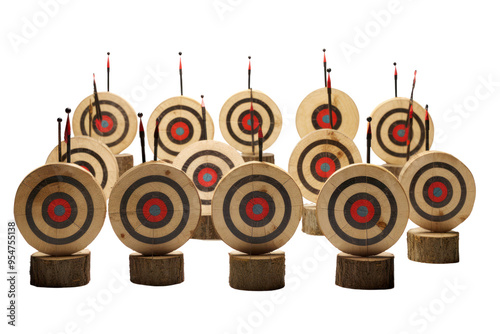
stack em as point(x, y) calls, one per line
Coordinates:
point(125, 161)
point(309, 221)
point(394, 169)
point(257, 272)
point(159, 270)
point(205, 229)
point(60, 271)
point(266, 157)
point(432, 247)
point(365, 273)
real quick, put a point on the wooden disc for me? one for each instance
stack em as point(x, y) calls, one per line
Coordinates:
point(365, 273)
point(257, 272)
point(119, 121)
point(317, 156)
point(159, 270)
point(440, 188)
point(256, 207)
point(235, 122)
point(59, 208)
point(362, 209)
point(180, 126)
point(313, 113)
point(432, 247)
point(154, 208)
point(206, 162)
point(93, 156)
point(266, 157)
point(389, 130)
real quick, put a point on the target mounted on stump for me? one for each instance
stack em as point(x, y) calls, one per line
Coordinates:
point(118, 127)
point(154, 208)
point(93, 156)
point(313, 113)
point(440, 188)
point(362, 209)
point(236, 124)
point(389, 130)
point(205, 163)
point(256, 208)
point(180, 126)
point(317, 156)
point(59, 208)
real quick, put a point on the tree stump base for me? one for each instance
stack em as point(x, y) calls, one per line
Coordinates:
point(257, 272)
point(158, 270)
point(205, 230)
point(266, 157)
point(125, 162)
point(60, 271)
point(432, 247)
point(365, 273)
point(394, 169)
point(309, 221)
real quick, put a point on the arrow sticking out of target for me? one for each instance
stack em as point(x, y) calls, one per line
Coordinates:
point(141, 136)
point(252, 113)
point(409, 117)
point(249, 70)
point(156, 136)
point(260, 144)
point(97, 104)
point(108, 71)
point(91, 111)
point(180, 71)
point(204, 120)
point(67, 135)
point(329, 91)
point(395, 80)
point(368, 140)
point(427, 127)
point(324, 65)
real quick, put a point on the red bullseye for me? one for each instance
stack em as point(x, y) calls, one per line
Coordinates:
point(257, 209)
point(247, 124)
point(105, 125)
point(325, 167)
point(154, 210)
point(207, 177)
point(437, 191)
point(59, 210)
point(399, 133)
point(323, 118)
point(179, 131)
point(362, 211)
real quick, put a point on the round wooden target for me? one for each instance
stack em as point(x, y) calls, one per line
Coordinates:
point(206, 162)
point(362, 209)
point(389, 130)
point(59, 208)
point(118, 127)
point(313, 113)
point(235, 121)
point(93, 156)
point(441, 190)
point(180, 126)
point(317, 156)
point(154, 208)
point(256, 208)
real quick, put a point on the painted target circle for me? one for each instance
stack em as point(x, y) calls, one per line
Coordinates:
point(256, 208)
point(206, 162)
point(180, 126)
point(389, 130)
point(362, 209)
point(317, 156)
point(235, 120)
point(94, 157)
point(59, 209)
point(441, 190)
point(154, 208)
point(118, 127)
point(313, 113)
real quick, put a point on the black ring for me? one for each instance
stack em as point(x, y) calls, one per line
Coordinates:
point(256, 194)
point(335, 110)
point(162, 197)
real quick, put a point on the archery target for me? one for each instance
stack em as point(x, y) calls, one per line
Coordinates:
point(59, 208)
point(389, 130)
point(317, 156)
point(93, 156)
point(180, 126)
point(256, 208)
point(205, 163)
point(313, 113)
point(362, 209)
point(154, 208)
point(235, 120)
point(119, 122)
point(440, 188)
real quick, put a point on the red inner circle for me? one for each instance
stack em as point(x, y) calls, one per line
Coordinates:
point(254, 201)
point(107, 119)
point(444, 191)
point(149, 203)
point(322, 173)
point(52, 206)
point(209, 171)
point(323, 113)
point(246, 119)
point(354, 211)
point(180, 125)
point(395, 134)
point(85, 168)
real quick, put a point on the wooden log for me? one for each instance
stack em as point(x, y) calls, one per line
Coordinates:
point(309, 220)
point(125, 162)
point(394, 169)
point(432, 247)
point(60, 271)
point(266, 157)
point(257, 272)
point(365, 273)
point(160, 270)
point(205, 229)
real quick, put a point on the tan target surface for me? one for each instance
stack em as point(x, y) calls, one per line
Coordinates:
point(440, 188)
point(362, 209)
point(119, 116)
point(59, 208)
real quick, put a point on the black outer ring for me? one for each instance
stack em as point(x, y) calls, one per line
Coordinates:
point(197, 171)
point(190, 129)
point(449, 195)
point(164, 198)
point(50, 221)
point(97, 157)
point(243, 212)
point(335, 110)
point(320, 156)
point(352, 221)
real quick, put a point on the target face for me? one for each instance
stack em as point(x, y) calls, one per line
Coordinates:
point(256, 208)
point(313, 113)
point(317, 156)
point(236, 124)
point(362, 209)
point(389, 126)
point(180, 126)
point(440, 188)
point(94, 157)
point(154, 208)
point(205, 163)
point(59, 208)
point(119, 121)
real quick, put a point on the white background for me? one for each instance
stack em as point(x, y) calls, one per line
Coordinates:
point(453, 45)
